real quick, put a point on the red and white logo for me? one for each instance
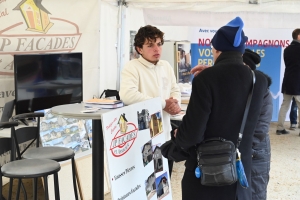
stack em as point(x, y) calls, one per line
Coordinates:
point(122, 142)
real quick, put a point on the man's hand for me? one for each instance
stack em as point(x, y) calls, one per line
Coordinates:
point(172, 107)
point(175, 132)
point(199, 68)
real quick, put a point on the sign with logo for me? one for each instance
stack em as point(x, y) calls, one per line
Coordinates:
point(133, 136)
point(48, 26)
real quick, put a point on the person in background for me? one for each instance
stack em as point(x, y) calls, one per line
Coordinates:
point(148, 77)
point(293, 115)
point(261, 147)
point(216, 109)
point(182, 61)
point(291, 80)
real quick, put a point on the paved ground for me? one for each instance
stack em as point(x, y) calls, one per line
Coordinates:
point(28, 187)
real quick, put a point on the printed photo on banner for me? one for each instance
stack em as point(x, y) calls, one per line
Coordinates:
point(147, 153)
point(143, 119)
point(157, 158)
point(150, 186)
point(156, 125)
point(162, 186)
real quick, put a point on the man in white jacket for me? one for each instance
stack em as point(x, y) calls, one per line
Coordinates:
point(148, 76)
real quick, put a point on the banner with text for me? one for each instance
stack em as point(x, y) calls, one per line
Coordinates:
point(133, 136)
point(48, 26)
point(268, 43)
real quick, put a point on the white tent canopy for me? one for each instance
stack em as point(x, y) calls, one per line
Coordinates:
point(265, 6)
point(127, 15)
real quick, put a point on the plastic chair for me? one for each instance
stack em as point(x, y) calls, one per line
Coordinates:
point(33, 168)
point(53, 153)
point(8, 110)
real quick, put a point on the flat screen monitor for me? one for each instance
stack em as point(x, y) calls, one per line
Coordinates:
point(46, 80)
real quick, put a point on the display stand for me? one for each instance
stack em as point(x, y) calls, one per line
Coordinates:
point(133, 136)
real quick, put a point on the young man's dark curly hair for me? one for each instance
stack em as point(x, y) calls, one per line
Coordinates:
point(147, 32)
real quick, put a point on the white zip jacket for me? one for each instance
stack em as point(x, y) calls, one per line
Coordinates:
point(142, 80)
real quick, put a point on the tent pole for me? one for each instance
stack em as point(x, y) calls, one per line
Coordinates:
point(121, 37)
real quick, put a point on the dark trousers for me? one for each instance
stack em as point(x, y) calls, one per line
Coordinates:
point(293, 112)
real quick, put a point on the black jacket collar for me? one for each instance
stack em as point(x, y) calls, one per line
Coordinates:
point(230, 56)
point(295, 42)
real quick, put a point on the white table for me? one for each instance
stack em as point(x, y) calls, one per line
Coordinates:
point(73, 111)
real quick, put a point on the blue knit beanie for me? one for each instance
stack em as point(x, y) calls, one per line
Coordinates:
point(230, 37)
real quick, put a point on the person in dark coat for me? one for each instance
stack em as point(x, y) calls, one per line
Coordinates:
point(291, 80)
point(216, 108)
point(261, 148)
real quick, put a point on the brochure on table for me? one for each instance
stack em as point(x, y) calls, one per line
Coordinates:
point(133, 136)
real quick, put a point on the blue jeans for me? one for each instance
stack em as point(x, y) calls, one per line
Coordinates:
point(293, 112)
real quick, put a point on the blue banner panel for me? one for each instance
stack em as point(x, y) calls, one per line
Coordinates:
point(270, 65)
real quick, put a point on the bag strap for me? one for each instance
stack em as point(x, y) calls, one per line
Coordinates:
point(102, 94)
point(246, 111)
point(213, 139)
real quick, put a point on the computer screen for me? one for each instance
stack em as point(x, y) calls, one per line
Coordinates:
point(46, 80)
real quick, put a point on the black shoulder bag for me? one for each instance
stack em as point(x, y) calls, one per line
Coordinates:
point(216, 157)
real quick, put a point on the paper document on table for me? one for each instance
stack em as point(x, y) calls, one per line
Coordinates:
point(109, 106)
point(103, 101)
point(179, 114)
point(90, 110)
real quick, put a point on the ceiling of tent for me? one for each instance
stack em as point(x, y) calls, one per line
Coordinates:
point(266, 6)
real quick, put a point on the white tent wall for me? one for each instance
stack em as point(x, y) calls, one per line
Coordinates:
point(252, 19)
point(220, 6)
point(110, 66)
point(110, 25)
point(135, 20)
point(108, 46)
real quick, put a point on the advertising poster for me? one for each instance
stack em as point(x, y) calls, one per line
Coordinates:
point(133, 136)
point(132, 52)
point(184, 62)
point(268, 43)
